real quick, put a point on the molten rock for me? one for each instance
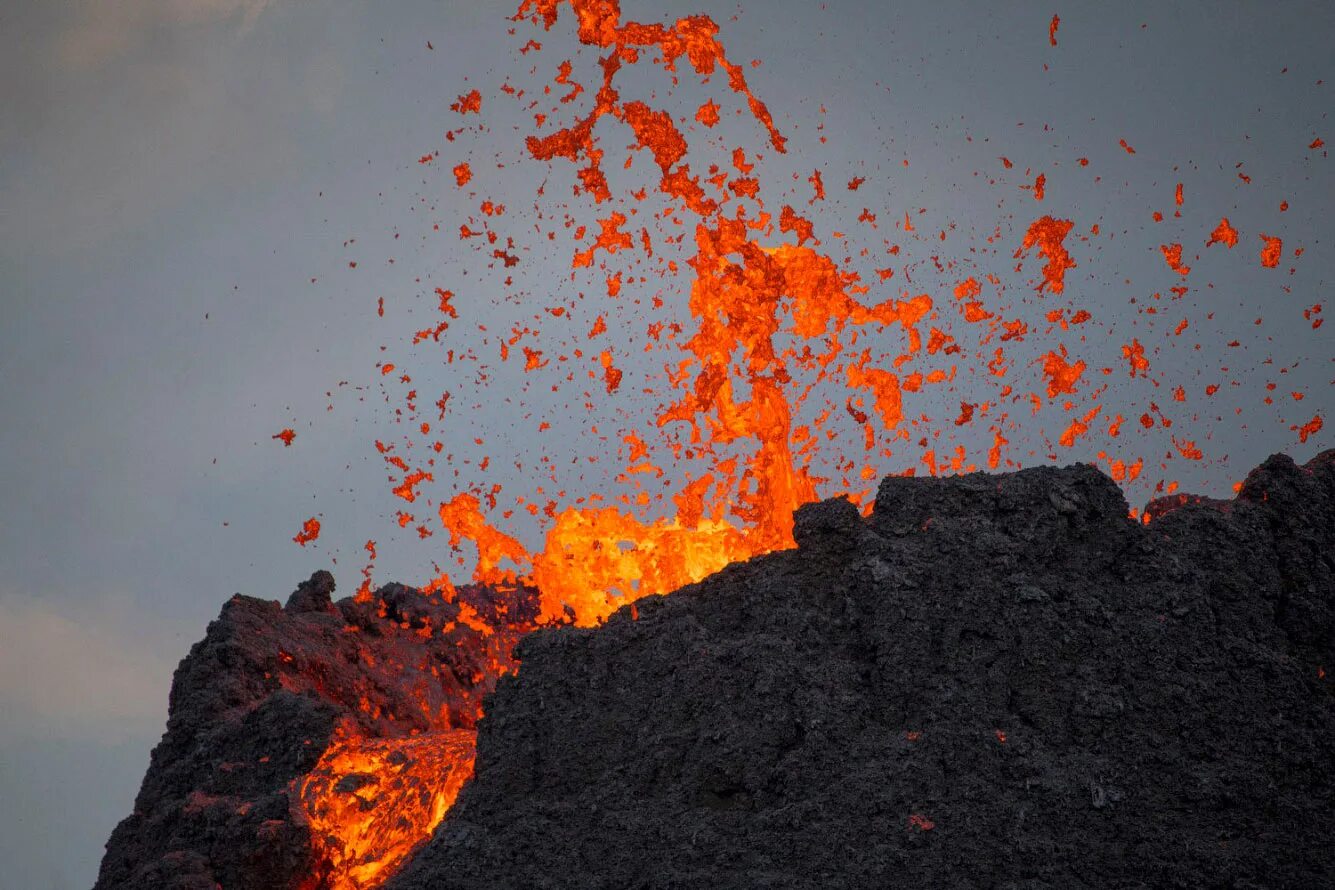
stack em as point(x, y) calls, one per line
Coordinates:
point(993, 681)
point(315, 745)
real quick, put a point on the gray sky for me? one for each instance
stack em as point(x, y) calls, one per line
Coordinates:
point(173, 173)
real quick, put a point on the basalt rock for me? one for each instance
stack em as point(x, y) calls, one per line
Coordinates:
point(262, 697)
point(991, 681)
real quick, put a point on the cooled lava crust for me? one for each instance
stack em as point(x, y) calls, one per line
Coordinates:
point(992, 681)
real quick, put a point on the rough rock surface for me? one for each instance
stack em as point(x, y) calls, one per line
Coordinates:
point(992, 681)
point(257, 702)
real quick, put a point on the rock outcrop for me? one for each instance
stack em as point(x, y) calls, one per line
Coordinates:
point(991, 681)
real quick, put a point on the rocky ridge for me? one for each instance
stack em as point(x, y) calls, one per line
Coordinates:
point(991, 681)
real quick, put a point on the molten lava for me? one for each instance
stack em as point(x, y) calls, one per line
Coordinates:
point(371, 802)
point(748, 431)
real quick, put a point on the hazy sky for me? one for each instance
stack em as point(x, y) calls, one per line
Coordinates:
point(174, 173)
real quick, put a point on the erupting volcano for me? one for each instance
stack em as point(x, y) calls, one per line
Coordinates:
point(743, 343)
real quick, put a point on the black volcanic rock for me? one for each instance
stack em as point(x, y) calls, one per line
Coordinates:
point(258, 701)
point(992, 681)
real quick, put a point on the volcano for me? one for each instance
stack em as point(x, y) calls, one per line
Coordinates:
point(703, 675)
point(988, 681)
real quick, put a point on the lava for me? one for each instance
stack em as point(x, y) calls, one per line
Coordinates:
point(371, 802)
point(310, 530)
point(411, 668)
point(1048, 234)
point(741, 438)
point(1223, 234)
point(1271, 252)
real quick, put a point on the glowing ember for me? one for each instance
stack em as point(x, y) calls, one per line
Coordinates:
point(1270, 254)
point(310, 530)
point(1062, 376)
point(1311, 428)
point(471, 102)
point(1048, 234)
point(1223, 234)
point(1172, 254)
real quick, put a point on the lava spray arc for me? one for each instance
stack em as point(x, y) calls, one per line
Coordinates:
point(794, 359)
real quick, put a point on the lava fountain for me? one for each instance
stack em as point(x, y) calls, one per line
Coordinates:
point(789, 372)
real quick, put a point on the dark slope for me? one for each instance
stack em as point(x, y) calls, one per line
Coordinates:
point(994, 681)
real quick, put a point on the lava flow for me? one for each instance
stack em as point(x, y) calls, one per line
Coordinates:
point(785, 375)
point(371, 802)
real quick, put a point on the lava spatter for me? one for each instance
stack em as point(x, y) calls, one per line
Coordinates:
point(786, 375)
point(1223, 234)
point(1048, 234)
point(310, 530)
point(1271, 252)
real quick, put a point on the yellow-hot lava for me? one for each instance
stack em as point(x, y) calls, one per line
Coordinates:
point(371, 802)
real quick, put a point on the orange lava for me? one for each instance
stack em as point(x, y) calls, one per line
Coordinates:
point(1271, 252)
point(1172, 254)
point(462, 518)
point(776, 313)
point(471, 102)
point(1311, 428)
point(1049, 234)
point(1223, 234)
point(371, 802)
point(1062, 376)
point(310, 530)
point(1134, 353)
